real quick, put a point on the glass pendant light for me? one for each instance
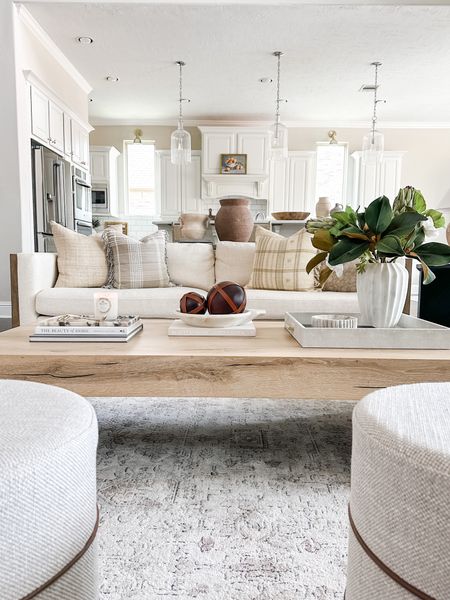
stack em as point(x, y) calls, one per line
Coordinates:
point(278, 131)
point(180, 140)
point(373, 141)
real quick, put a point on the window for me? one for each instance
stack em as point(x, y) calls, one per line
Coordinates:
point(140, 178)
point(332, 172)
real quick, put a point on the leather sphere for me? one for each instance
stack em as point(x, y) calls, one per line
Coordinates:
point(193, 303)
point(225, 298)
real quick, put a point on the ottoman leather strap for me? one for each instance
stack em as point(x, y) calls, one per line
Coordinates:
point(68, 566)
point(380, 564)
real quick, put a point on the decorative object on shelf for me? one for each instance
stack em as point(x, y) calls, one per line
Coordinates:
point(323, 207)
point(373, 142)
point(137, 136)
point(233, 164)
point(278, 131)
point(180, 140)
point(193, 303)
point(378, 237)
point(332, 135)
point(234, 221)
point(193, 226)
point(290, 216)
point(226, 297)
point(335, 321)
point(121, 226)
point(337, 208)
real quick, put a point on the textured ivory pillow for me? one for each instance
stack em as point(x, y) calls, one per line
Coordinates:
point(280, 262)
point(81, 258)
point(136, 264)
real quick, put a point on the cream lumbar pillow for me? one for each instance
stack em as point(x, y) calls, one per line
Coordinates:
point(81, 258)
point(280, 262)
point(136, 264)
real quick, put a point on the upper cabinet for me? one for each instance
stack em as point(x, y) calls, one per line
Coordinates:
point(57, 129)
point(256, 146)
point(369, 181)
point(292, 183)
point(178, 185)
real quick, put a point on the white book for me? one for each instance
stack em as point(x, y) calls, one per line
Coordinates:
point(36, 337)
point(178, 328)
point(64, 330)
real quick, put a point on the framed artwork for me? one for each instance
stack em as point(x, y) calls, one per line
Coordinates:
point(233, 164)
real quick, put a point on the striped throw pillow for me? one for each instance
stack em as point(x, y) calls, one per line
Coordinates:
point(280, 262)
point(136, 264)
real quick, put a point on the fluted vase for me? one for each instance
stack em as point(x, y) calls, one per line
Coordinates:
point(382, 290)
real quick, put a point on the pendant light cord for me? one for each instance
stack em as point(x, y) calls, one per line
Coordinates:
point(180, 115)
point(278, 54)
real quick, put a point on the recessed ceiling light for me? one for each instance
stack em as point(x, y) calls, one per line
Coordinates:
point(112, 78)
point(265, 80)
point(85, 40)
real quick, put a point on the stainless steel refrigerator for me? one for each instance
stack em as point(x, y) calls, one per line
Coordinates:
point(53, 198)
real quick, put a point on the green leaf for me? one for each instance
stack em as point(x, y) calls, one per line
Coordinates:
point(419, 203)
point(379, 215)
point(438, 217)
point(404, 223)
point(342, 217)
point(390, 245)
point(316, 260)
point(322, 240)
point(434, 254)
point(428, 275)
point(419, 239)
point(354, 233)
point(346, 250)
point(324, 274)
point(361, 220)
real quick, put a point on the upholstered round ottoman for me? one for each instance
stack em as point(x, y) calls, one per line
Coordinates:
point(399, 546)
point(48, 510)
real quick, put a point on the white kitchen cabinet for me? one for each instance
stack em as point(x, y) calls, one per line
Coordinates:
point(39, 115)
point(214, 144)
point(374, 180)
point(99, 161)
point(80, 144)
point(291, 186)
point(67, 136)
point(104, 178)
point(256, 146)
point(178, 186)
point(56, 125)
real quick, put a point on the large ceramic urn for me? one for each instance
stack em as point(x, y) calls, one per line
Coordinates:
point(234, 221)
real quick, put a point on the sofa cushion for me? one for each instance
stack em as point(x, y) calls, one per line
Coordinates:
point(158, 303)
point(135, 264)
point(81, 258)
point(277, 303)
point(234, 261)
point(191, 264)
point(280, 262)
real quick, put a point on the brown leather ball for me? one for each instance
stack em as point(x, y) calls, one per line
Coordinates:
point(193, 303)
point(226, 298)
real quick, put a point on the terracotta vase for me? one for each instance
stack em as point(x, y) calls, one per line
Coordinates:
point(234, 221)
point(193, 226)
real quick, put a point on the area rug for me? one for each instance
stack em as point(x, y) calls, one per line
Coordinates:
point(223, 499)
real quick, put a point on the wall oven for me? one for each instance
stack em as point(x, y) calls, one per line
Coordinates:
point(100, 198)
point(81, 188)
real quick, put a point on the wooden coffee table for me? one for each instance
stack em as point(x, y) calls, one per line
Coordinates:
point(272, 365)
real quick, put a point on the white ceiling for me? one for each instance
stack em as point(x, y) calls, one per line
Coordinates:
point(227, 48)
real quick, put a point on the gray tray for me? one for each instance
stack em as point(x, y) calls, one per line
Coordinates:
point(410, 333)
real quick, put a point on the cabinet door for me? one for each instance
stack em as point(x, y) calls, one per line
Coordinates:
point(76, 149)
point(278, 186)
point(300, 189)
point(84, 148)
point(255, 146)
point(39, 115)
point(99, 162)
point(191, 185)
point(56, 126)
point(67, 136)
point(215, 144)
point(169, 186)
point(373, 180)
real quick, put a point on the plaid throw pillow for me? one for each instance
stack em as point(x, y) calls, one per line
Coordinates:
point(280, 262)
point(135, 264)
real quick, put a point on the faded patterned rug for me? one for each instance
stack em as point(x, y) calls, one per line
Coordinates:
point(223, 499)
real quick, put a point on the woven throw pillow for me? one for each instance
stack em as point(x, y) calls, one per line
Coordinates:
point(81, 258)
point(280, 262)
point(345, 283)
point(136, 264)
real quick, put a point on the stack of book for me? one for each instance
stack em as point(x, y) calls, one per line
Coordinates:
point(75, 328)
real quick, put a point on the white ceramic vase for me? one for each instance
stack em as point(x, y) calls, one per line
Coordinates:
point(382, 290)
point(323, 207)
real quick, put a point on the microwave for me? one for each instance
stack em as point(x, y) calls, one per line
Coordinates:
point(100, 198)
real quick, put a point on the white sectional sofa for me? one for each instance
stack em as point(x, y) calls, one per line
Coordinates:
point(191, 267)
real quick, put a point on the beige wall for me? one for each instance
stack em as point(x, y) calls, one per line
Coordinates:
point(426, 164)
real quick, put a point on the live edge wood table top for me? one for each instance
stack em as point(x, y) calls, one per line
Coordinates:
point(272, 365)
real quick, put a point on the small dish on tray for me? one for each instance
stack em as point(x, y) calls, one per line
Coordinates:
point(208, 320)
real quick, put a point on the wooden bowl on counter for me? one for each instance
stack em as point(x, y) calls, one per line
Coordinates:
point(290, 216)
